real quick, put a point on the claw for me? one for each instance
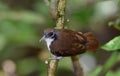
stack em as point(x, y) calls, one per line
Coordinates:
point(56, 58)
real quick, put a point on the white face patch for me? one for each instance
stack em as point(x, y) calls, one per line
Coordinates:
point(49, 41)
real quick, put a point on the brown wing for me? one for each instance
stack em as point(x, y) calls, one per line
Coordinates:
point(80, 43)
point(68, 43)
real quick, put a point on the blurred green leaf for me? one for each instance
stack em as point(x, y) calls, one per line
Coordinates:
point(2, 42)
point(43, 10)
point(111, 61)
point(112, 45)
point(21, 16)
point(111, 23)
point(83, 15)
point(17, 32)
point(3, 7)
point(27, 66)
point(111, 73)
point(109, 64)
point(65, 65)
point(96, 71)
point(115, 24)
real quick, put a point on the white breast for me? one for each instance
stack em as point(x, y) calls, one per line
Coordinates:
point(48, 41)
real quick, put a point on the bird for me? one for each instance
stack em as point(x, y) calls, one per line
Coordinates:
point(64, 42)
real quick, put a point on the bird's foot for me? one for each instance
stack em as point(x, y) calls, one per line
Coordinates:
point(56, 58)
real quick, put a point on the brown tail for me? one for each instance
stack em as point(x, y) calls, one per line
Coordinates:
point(92, 42)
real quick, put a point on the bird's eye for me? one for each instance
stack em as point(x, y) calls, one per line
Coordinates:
point(50, 34)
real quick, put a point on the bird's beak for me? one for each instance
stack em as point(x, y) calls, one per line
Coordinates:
point(43, 38)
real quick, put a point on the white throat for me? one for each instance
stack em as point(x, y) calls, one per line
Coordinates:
point(49, 41)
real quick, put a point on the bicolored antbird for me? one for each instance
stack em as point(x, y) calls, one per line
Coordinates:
point(63, 42)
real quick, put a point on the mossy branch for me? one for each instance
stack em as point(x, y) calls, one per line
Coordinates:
point(58, 14)
point(52, 67)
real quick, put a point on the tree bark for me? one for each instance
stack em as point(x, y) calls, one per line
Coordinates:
point(58, 14)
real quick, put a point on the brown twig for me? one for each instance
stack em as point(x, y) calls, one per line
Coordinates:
point(78, 71)
point(52, 5)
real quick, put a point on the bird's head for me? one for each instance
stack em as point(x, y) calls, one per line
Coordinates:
point(49, 34)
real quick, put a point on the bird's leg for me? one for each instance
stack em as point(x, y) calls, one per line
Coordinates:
point(56, 58)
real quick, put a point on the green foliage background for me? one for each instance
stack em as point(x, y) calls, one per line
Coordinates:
point(22, 23)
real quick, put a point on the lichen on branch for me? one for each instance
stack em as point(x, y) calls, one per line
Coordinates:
point(58, 14)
